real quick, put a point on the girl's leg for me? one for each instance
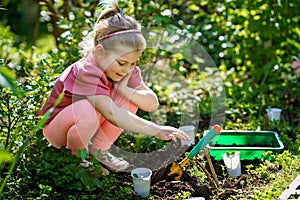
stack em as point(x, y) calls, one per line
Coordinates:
point(74, 126)
point(109, 133)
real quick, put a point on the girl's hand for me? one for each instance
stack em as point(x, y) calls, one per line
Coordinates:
point(171, 133)
point(121, 85)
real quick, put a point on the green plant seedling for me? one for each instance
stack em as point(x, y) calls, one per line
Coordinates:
point(230, 153)
point(136, 176)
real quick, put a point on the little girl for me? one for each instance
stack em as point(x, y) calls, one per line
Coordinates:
point(102, 92)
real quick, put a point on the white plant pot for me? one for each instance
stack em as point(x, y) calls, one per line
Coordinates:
point(274, 113)
point(232, 164)
point(141, 181)
point(190, 130)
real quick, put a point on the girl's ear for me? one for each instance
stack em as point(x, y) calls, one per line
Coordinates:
point(99, 50)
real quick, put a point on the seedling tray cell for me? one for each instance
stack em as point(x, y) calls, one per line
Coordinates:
point(251, 144)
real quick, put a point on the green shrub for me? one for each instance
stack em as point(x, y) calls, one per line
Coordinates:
point(46, 172)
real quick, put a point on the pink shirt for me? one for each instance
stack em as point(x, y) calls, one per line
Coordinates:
point(82, 79)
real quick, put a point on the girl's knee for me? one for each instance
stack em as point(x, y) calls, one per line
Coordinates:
point(124, 103)
point(74, 141)
point(55, 140)
point(86, 114)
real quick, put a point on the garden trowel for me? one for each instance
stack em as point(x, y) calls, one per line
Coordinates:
point(176, 168)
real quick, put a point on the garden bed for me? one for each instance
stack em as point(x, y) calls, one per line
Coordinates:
point(165, 187)
point(191, 185)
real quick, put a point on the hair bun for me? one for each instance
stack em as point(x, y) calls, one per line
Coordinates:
point(109, 9)
point(108, 15)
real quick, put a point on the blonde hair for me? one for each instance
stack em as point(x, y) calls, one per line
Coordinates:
point(112, 21)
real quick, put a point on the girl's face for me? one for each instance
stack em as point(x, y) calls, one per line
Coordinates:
point(117, 64)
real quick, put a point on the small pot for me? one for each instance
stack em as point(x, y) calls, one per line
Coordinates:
point(233, 163)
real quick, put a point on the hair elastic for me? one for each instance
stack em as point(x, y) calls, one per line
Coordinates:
point(121, 11)
point(118, 33)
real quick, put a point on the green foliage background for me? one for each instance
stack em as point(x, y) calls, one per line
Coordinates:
point(251, 42)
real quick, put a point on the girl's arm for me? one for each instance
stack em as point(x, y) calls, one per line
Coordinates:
point(131, 122)
point(142, 96)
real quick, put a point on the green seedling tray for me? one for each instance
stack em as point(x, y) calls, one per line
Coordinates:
point(251, 144)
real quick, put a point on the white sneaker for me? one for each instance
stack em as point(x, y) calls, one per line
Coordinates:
point(112, 162)
point(84, 163)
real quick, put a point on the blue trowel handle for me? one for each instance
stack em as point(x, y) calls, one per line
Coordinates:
point(215, 130)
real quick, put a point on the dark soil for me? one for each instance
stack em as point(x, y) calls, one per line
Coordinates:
point(164, 186)
point(168, 188)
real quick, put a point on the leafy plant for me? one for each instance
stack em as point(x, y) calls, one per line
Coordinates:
point(230, 153)
point(274, 176)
